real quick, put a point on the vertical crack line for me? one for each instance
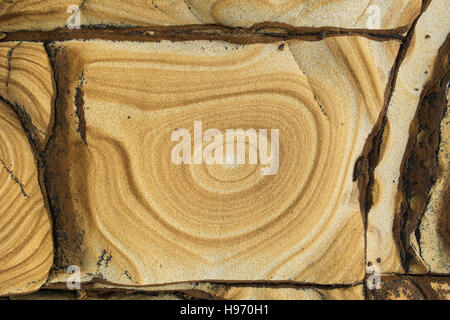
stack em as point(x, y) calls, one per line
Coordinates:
point(27, 125)
point(9, 57)
point(29, 129)
point(67, 238)
point(79, 104)
point(371, 152)
point(54, 98)
point(375, 140)
point(15, 179)
point(43, 179)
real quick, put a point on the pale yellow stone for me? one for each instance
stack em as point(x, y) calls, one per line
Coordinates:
point(360, 14)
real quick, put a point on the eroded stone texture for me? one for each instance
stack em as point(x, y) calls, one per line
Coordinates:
point(434, 228)
point(411, 288)
point(390, 243)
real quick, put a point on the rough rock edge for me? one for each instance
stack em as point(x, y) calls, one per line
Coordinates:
point(420, 165)
point(366, 164)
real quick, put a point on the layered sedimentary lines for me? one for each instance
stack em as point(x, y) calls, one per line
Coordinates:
point(128, 214)
point(48, 15)
point(26, 251)
point(353, 14)
point(355, 172)
point(26, 82)
point(391, 243)
point(359, 14)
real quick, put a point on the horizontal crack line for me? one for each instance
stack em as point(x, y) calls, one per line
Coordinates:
point(193, 285)
point(260, 33)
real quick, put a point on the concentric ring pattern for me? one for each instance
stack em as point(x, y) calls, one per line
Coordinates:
point(159, 222)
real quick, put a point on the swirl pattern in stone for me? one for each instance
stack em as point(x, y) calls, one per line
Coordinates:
point(26, 81)
point(361, 14)
point(26, 248)
point(365, 14)
point(137, 218)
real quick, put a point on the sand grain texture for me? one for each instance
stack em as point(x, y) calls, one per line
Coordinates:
point(124, 204)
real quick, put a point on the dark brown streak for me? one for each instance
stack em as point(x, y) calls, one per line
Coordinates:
point(375, 139)
point(261, 33)
point(79, 103)
point(371, 152)
point(15, 179)
point(419, 170)
point(9, 57)
point(242, 284)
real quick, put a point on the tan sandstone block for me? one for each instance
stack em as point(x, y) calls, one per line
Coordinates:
point(129, 215)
